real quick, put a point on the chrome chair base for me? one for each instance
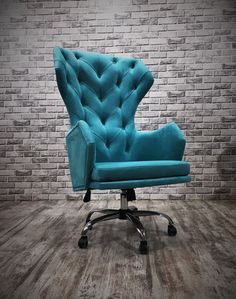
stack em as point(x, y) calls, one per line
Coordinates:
point(130, 213)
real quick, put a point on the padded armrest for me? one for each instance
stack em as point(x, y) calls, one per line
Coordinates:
point(81, 152)
point(167, 143)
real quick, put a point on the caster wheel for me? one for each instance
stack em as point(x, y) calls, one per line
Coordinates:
point(143, 247)
point(83, 242)
point(172, 231)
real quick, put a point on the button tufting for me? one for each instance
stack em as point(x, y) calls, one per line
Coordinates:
point(132, 64)
point(123, 124)
point(126, 148)
point(118, 82)
point(115, 59)
point(77, 56)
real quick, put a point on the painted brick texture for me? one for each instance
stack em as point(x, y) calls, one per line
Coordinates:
point(189, 45)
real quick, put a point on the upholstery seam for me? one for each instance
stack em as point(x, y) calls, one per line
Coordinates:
point(139, 80)
point(141, 77)
point(128, 181)
point(106, 67)
point(88, 142)
point(72, 129)
point(114, 136)
point(91, 89)
point(87, 155)
point(90, 109)
point(76, 92)
point(81, 59)
point(105, 95)
point(95, 93)
point(60, 62)
point(136, 166)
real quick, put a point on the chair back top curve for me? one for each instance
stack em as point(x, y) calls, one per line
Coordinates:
point(104, 91)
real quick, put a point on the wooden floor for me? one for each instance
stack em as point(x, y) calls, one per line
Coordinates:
point(39, 257)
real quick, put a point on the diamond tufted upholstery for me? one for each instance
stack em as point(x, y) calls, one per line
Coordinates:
point(101, 93)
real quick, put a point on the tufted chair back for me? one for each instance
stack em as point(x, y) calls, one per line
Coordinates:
point(104, 91)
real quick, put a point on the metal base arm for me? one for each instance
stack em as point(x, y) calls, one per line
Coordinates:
point(130, 213)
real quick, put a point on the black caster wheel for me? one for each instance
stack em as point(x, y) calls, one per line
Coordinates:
point(172, 231)
point(83, 242)
point(143, 247)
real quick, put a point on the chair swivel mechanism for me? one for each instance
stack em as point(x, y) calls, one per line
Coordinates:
point(105, 151)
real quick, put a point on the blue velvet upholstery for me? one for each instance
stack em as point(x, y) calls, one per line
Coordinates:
point(138, 170)
point(101, 93)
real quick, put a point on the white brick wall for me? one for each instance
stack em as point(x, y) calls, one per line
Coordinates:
point(189, 45)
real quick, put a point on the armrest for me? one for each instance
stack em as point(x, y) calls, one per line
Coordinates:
point(167, 143)
point(81, 152)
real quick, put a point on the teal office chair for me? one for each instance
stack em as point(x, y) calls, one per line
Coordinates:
point(105, 151)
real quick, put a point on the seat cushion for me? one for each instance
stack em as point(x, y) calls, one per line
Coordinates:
point(138, 170)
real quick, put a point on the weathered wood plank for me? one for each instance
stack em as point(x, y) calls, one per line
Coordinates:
point(39, 257)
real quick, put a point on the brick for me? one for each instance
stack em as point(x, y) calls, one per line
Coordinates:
point(176, 40)
point(229, 12)
point(222, 86)
point(23, 172)
point(176, 94)
point(20, 71)
point(188, 45)
point(229, 66)
point(222, 32)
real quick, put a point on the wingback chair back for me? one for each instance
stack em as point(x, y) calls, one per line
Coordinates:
point(104, 91)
